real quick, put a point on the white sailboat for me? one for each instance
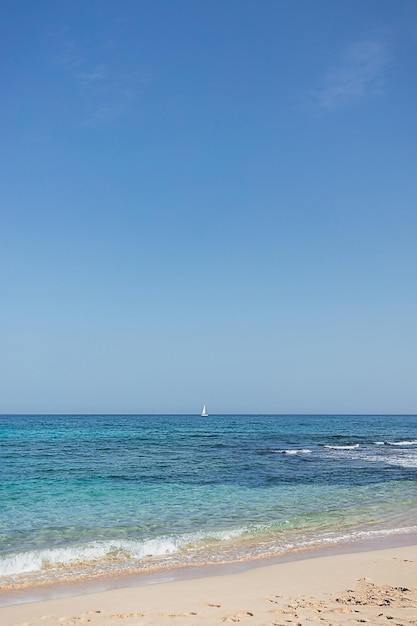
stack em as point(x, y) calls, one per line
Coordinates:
point(204, 412)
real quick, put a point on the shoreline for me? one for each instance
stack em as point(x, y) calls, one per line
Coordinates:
point(15, 594)
point(376, 583)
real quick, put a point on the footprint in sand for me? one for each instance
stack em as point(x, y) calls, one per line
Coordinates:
point(284, 612)
point(238, 617)
point(124, 615)
point(190, 614)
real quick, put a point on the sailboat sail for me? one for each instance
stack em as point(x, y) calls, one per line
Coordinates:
point(204, 412)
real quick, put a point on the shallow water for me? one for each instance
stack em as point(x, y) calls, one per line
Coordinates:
point(85, 495)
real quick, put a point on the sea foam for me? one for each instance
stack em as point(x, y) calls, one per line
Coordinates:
point(402, 443)
point(292, 451)
point(102, 551)
point(353, 447)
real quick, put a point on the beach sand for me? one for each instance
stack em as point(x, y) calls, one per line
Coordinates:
point(375, 587)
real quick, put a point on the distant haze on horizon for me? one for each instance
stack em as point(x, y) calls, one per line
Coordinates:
point(208, 202)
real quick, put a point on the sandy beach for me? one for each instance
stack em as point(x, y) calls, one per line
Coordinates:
point(375, 587)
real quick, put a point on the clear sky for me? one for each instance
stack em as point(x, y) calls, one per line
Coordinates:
point(208, 202)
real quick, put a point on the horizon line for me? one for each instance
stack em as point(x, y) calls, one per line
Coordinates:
point(327, 414)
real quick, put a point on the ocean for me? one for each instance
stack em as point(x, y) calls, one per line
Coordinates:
point(100, 495)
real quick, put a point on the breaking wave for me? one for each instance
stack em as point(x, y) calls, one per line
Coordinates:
point(352, 447)
point(294, 451)
point(108, 551)
point(402, 443)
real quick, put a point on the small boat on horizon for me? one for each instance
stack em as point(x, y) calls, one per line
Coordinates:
point(204, 412)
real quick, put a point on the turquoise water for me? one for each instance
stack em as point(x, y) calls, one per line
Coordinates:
point(88, 495)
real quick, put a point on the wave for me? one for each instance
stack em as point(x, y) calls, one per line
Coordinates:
point(96, 551)
point(352, 447)
point(407, 461)
point(294, 451)
point(104, 556)
point(402, 443)
point(356, 535)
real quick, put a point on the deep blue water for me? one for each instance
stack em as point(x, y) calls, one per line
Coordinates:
point(87, 494)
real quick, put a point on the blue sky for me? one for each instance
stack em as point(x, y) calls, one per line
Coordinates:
point(208, 202)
